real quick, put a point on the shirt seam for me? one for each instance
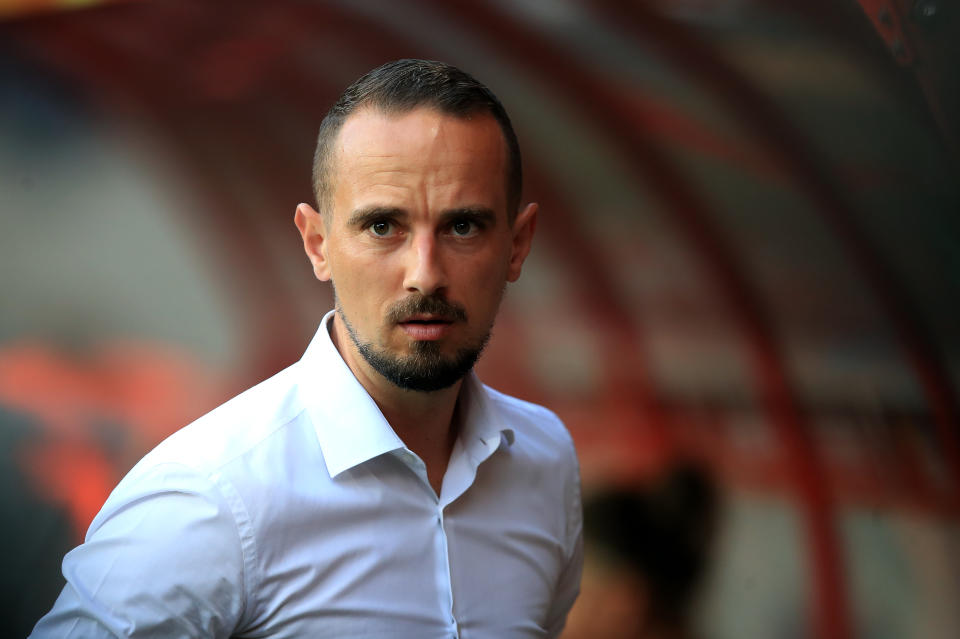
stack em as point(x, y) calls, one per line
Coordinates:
point(248, 548)
point(272, 429)
point(213, 480)
point(574, 498)
point(238, 509)
point(235, 503)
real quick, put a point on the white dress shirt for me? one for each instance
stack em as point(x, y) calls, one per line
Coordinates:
point(294, 510)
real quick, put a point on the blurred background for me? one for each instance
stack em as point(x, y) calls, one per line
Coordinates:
point(743, 298)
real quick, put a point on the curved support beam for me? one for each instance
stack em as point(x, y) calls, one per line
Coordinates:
point(788, 147)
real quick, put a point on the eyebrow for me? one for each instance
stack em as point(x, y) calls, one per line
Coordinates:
point(369, 214)
point(365, 216)
point(478, 214)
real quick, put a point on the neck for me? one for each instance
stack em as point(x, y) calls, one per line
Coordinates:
point(425, 421)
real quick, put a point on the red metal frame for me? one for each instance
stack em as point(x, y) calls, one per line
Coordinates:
point(888, 22)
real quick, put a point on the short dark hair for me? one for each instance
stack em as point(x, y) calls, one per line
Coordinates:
point(662, 532)
point(401, 86)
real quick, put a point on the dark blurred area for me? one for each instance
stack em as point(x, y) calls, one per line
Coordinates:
point(747, 263)
point(648, 549)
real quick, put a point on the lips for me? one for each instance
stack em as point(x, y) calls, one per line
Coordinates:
point(425, 327)
point(426, 318)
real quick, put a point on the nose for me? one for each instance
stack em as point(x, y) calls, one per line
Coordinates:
point(425, 273)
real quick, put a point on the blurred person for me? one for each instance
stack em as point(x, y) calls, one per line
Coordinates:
point(375, 488)
point(647, 549)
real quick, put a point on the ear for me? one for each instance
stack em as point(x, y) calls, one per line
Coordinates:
point(313, 231)
point(523, 227)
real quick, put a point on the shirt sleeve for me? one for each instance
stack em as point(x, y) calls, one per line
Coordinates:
point(163, 558)
point(568, 585)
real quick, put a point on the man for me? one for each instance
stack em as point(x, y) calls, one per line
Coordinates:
point(375, 488)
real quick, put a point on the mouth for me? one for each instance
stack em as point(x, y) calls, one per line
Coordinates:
point(426, 327)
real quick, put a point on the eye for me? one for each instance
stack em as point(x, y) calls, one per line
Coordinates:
point(381, 228)
point(463, 228)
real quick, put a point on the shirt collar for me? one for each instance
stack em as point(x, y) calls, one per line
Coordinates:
point(480, 419)
point(349, 425)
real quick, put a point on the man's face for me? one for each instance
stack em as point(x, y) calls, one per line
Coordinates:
point(417, 242)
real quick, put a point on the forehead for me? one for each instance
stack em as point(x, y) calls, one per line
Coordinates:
point(421, 148)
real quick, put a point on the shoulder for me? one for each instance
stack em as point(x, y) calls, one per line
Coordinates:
point(225, 454)
point(183, 516)
point(199, 459)
point(542, 457)
point(235, 428)
point(537, 429)
point(518, 409)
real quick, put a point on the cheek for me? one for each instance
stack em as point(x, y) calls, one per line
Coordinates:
point(496, 270)
point(361, 277)
point(354, 295)
point(485, 284)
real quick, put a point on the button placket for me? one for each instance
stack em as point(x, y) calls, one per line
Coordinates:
point(454, 630)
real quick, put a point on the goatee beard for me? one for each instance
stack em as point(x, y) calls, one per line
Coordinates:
point(426, 369)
